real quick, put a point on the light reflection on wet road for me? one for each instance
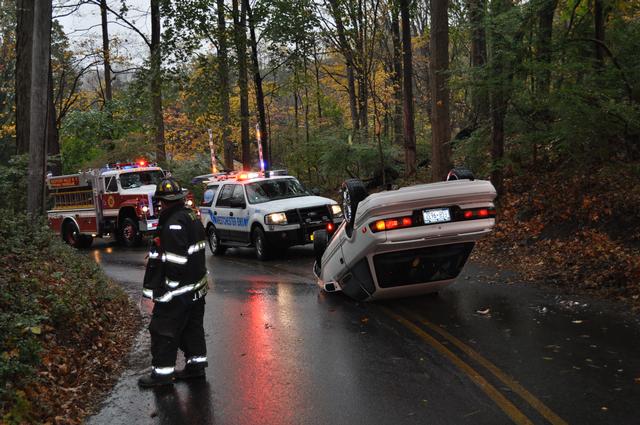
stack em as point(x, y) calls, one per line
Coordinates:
point(281, 352)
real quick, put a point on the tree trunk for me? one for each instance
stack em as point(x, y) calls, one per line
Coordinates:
point(479, 95)
point(241, 49)
point(39, 105)
point(317, 75)
point(257, 79)
point(53, 137)
point(223, 74)
point(502, 69)
point(106, 52)
point(407, 84)
point(545, 33)
point(24, 33)
point(440, 130)
point(345, 49)
point(156, 82)
point(397, 78)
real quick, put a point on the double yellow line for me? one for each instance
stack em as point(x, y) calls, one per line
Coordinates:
point(498, 398)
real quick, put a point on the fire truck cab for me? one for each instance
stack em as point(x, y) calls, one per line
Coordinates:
point(113, 201)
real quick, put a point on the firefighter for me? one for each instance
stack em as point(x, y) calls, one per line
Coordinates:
point(176, 281)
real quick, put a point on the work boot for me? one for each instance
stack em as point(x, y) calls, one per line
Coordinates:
point(156, 380)
point(191, 371)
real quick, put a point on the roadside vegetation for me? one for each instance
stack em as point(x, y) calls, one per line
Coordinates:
point(65, 329)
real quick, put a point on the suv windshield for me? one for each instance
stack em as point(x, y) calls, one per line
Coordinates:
point(269, 190)
point(140, 178)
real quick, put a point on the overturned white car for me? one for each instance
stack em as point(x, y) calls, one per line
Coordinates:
point(409, 241)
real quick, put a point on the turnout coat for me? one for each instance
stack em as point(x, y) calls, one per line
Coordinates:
point(176, 259)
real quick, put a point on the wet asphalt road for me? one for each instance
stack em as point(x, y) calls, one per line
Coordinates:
point(480, 352)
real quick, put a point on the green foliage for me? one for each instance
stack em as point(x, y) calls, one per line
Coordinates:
point(48, 292)
point(13, 183)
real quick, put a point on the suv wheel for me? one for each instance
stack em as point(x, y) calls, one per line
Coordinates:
point(262, 245)
point(320, 242)
point(214, 241)
point(353, 191)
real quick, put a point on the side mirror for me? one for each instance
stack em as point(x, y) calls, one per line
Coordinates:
point(315, 191)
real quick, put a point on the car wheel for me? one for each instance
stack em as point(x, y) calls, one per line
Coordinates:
point(128, 233)
point(352, 191)
point(214, 241)
point(320, 242)
point(263, 251)
point(460, 173)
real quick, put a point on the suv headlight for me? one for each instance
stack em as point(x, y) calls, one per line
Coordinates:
point(275, 218)
point(336, 211)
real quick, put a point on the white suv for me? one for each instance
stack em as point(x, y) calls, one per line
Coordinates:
point(269, 212)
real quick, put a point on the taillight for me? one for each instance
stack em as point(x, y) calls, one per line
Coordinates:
point(391, 223)
point(330, 227)
point(478, 213)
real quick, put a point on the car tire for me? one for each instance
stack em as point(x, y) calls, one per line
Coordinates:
point(352, 191)
point(460, 173)
point(215, 246)
point(128, 233)
point(263, 251)
point(320, 242)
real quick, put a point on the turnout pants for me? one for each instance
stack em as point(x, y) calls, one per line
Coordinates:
point(177, 324)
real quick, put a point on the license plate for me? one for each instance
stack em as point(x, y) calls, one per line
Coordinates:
point(436, 215)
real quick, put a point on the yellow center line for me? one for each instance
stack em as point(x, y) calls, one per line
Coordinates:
point(507, 407)
point(539, 406)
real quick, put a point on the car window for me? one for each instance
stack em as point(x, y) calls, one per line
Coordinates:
point(238, 195)
point(224, 199)
point(112, 185)
point(208, 196)
point(269, 190)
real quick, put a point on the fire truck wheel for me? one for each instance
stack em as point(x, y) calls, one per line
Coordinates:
point(128, 233)
point(263, 251)
point(214, 241)
point(353, 191)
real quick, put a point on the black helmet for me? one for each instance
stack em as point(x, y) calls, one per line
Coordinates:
point(169, 190)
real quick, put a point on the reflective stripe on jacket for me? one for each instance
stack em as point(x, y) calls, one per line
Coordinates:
point(180, 256)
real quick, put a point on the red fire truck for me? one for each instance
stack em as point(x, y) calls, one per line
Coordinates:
point(113, 201)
